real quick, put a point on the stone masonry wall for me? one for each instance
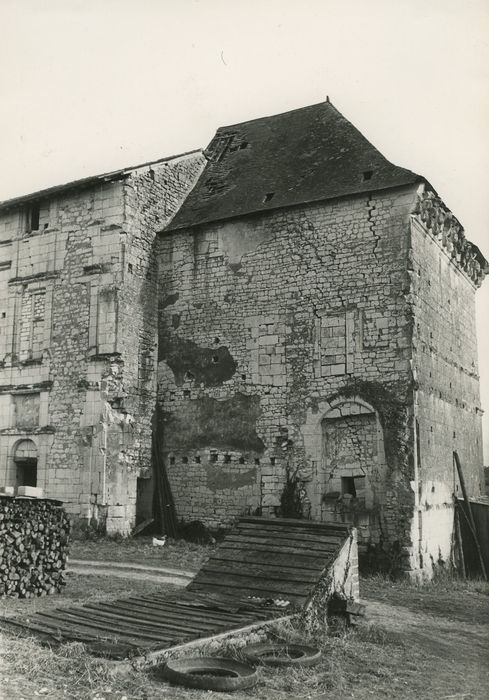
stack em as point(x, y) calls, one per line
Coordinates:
point(266, 324)
point(448, 411)
point(78, 338)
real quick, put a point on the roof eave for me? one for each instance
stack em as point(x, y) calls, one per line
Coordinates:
point(256, 212)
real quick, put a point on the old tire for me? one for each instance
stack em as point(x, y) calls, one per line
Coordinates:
point(210, 673)
point(282, 654)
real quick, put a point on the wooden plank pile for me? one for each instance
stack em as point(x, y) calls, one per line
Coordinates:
point(33, 546)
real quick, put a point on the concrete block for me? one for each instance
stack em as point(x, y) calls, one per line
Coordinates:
point(30, 491)
point(7, 490)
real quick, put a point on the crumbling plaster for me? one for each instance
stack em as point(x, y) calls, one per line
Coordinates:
point(92, 261)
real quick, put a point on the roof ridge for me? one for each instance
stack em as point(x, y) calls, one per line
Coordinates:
point(278, 114)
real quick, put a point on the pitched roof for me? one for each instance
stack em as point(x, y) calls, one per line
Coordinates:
point(86, 182)
point(305, 155)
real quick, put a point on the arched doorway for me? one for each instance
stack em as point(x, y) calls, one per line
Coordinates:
point(25, 460)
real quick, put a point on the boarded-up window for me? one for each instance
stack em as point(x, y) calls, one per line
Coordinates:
point(31, 342)
point(334, 344)
point(26, 410)
point(106, 320)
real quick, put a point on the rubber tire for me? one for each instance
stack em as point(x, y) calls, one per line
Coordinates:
point(261, 654)
point(186, 672)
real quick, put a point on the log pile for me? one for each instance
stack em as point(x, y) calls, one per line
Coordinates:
point(33, 546)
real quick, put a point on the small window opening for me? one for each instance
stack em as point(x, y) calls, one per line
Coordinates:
point(214, 457)
point(184, 460)
point(32, 219)
point(454, 434)
point(243, 377)
point(268, 197)
point(172, 396)
point(129, 267)
point(172, 460)
point(348, 486)
point(217, 340)
point(367, 175)
point(272, 460)
point(186, 393)
point(241, 460)
point(3, 314)
point(227, 459)
point(257, 460)
point(353, 486)
point(197, 459)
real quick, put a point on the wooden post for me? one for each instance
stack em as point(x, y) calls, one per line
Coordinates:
point(469, 513)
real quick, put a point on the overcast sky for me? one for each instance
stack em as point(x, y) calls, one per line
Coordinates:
point(93, 85)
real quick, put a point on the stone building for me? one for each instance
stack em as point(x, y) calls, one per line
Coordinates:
point(317, 345)
point(312, 352)
point(78, 336)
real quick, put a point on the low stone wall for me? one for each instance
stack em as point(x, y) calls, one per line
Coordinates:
point(33, 546)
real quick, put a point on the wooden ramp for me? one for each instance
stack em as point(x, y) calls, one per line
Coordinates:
point(264, 568)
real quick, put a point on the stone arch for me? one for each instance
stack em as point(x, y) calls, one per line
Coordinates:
point(25, 458)
point(353, 464)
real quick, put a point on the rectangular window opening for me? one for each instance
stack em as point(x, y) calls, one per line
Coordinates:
point(32, 217)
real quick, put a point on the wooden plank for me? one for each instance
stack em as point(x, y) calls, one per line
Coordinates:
point(321, 554)
point(70, 628)
point(294, 523)
point(147, 619)
point(184, 612)
point(245, 592)
point(274, 589)
point(128, 618)
point(299, 535)
point(291, 538)
point(303, 562)
point(119, 630)
point(248, 543)
point(268, 571)
point(47, 631)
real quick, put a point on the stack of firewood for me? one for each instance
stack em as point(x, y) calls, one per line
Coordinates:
point(33, 546)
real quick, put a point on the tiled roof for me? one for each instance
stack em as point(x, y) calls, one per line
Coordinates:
point(85, 182)
point(305, 155)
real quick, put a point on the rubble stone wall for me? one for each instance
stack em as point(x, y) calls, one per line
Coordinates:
point(267, 324)
point(448, 410)
point(78, 337)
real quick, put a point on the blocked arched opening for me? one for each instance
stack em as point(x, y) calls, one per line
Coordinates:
point(25, 460)
point(353, 465)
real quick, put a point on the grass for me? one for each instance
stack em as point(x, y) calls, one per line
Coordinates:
point(369, 662)
point(446, 595)
point(174, 554)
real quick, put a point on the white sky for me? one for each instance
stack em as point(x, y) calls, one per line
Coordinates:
point(89, 86)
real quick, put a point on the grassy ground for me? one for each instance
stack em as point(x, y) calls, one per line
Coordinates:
point(417, 642)
point(175, 553)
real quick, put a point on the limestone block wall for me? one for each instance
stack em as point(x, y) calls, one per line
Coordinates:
point(267, 323)
point(79, 335)
point(448, 410)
